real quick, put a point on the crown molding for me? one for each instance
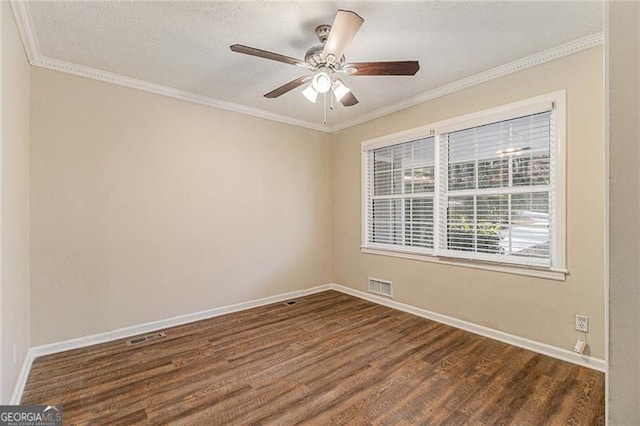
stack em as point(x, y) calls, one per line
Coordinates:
point(109, 77)
point(557, 52)
point(30, 41)
point(25, 27)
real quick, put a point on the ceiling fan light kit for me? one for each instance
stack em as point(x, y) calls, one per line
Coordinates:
point(310, 93)
point(321, 82)
point(327, 59)
point(339, 90)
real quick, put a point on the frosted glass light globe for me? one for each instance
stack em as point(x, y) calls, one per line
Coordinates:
point(321, 82)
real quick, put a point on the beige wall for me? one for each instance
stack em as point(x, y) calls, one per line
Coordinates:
point(532, 308)
point(624, 211)
point(146, 207)
point(14, 203)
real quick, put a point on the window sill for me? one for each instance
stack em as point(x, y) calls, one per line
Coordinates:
point(546, 273)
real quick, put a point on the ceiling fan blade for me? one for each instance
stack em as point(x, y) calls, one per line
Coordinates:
point(240, 48)
point(349, 100)
point(382, 68)
point(344, 28)
point(287, 87)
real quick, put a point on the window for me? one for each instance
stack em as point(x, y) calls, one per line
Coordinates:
point(485, 187)
point(401, 212)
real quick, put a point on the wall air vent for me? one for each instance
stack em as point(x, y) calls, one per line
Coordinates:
point(381, 287)
point(147, 338)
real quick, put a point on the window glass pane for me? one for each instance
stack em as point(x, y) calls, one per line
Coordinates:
point(382, 183)
point(397, 181)
point(462, 145)
point(493, 173)
point(461, 224)
point(529, 170)
point(540, 169)
point(396, 214)
point(399, 173)
point(462, 176)
point(419, 153)
point(386, 218)
point(408, 181)
point(382, 210)
point(460, 209)
point(423, 179)
point(533, 202)
point(381, 160)
point(539, 137)
point(419, 222)
point(492, 214)
point(493, 209)
point(382, 232)
point(530, 224)
point(420, 179)
point(486, 224)
point(399, 153)
point(488, 239)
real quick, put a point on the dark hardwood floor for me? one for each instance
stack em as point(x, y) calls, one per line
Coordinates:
point(327, 359)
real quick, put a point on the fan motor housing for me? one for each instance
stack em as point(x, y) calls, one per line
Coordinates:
point(314, 57)
point(314, 54)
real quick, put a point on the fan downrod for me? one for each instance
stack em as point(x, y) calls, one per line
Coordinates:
point(314, 56)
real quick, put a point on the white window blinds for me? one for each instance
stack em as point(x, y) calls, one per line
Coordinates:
point(483, 192)
point(496, 194)
point(399, 195)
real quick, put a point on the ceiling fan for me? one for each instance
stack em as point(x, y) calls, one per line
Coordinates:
point(327, 59)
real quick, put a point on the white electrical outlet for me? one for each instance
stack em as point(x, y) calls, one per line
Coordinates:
point(582, 323)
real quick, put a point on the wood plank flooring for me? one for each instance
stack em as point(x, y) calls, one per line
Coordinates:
point(327, 359)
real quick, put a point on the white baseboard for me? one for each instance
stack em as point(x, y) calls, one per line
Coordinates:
point(81, 342)
point(16, 396)
point(122, 333)
point(541, 348)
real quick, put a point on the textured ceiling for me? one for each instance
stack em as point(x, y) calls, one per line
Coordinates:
point(185, 45)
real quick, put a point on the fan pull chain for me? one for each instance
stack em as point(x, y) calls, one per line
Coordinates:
point(324, 122)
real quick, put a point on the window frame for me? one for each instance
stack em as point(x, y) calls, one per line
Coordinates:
point(404, 197)
point(554, 102)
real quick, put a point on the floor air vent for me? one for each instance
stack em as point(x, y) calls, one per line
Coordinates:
point(147, 338)
point(381, 287)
